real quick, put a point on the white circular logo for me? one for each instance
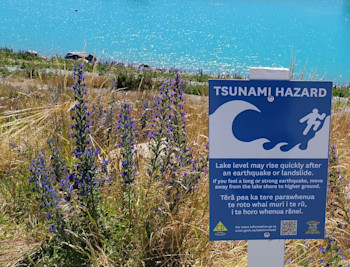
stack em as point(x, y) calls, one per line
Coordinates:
point(266, 234)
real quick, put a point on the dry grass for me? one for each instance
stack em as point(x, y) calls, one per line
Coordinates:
point(29, 116)
point(13, 251)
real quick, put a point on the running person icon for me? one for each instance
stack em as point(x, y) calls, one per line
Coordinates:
point(311, 120)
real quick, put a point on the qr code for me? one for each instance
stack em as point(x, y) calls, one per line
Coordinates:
point(289, 227)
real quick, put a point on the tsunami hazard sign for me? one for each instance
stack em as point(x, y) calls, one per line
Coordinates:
point(268, 158)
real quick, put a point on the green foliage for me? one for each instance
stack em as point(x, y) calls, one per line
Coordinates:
point(125, 79)
point(196, 89)
point(341, 91)
point(4, 72)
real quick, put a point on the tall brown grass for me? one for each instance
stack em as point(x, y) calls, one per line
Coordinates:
point(28, 116)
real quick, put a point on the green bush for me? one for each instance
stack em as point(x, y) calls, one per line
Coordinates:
point(341, 91)
point(4, 72)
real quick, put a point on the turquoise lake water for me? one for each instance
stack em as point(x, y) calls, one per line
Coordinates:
point(212, 35)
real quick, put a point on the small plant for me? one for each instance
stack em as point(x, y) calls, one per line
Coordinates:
point(125, 79)
point(338, 207)
point(146, 114)
point(44, 188)
point(70, 196)
point(172, 157)
point(126, 130)
point(172, 168)
point(85, 177)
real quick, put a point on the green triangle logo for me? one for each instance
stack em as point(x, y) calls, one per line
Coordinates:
point(220, 227)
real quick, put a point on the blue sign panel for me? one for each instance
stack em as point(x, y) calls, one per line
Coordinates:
point(268, 157)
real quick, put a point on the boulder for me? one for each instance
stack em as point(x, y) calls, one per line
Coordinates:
point(81, 55)
point(31, 52)
point(144, 67)
point(75, 55)
point(91, 58)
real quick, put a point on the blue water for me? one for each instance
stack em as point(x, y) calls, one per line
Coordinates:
point(212, 35)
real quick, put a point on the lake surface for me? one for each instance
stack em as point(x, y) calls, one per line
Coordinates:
point(212, 35)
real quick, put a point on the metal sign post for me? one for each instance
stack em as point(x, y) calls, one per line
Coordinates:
point(268, 161)
point(267, 253)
